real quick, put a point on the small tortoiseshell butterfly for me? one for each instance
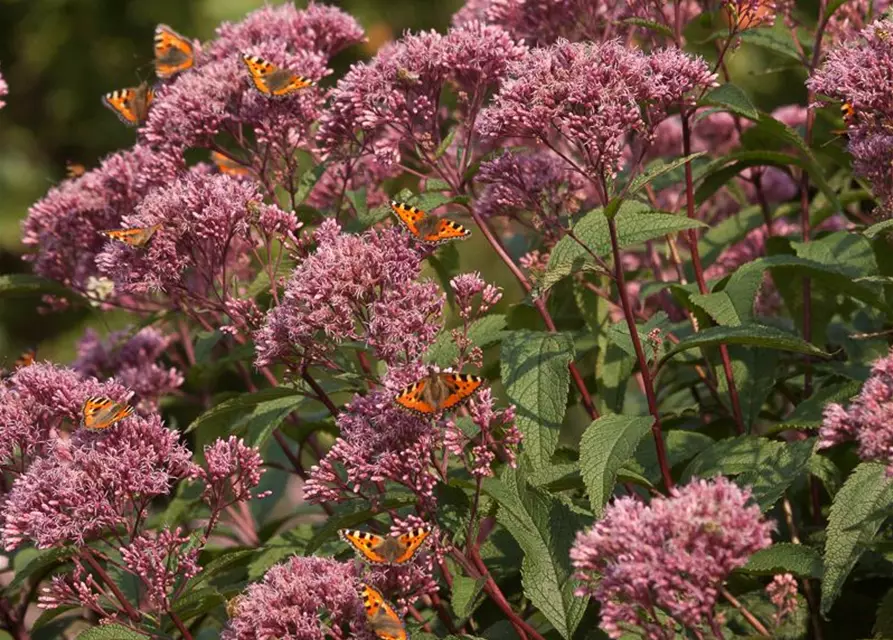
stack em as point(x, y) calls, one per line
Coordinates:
point(386, 549)
point(437, 392)
point(382, 616)
point(848, 113)
point(135, 237)
point(101, 413)
point(229, 166)
point(131, 105)
point(74, 170)
point(270, 80)
point(428, 228)
point(173, 52)
point(26, 359)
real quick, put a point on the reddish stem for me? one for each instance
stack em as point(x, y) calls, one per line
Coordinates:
point(125, 603)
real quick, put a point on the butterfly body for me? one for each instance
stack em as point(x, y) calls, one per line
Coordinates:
point(426, 228)
point(135, 237)
point(438, 392)
point(100, 412)
point(378, 549)
point(382, 616)
point(131, 105)
point(848, 113)
point(173, 52)
point(271, 80)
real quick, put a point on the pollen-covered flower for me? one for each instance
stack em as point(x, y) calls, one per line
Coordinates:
point(231, 470)
point(853, 16)
point(354, 287)
point(161, 560)
point(305, 597)
point(132, 359)
point(669, 558)
point(594, 96)
point(782, 592)
point(869, 418)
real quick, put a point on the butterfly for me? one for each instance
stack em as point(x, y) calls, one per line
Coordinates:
point(427, 228)
point(229, 166)
point(382, 617)
point(100, 412)
point(173, 52)
point(752, 14)
point(135, 237)
point(26, 359)
point(131, 105)
point(437, 392)
point(848, 112)
point(270, 80)
point(386, 549)
point(74, 170)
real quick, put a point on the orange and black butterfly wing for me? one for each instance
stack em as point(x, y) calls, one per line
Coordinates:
point(130, 105)
point(283, 83)
point(461, 386)
point(410, 216)
point(412, 398)
point(228, 165)
point(445, 230)
point(173, 52)
point(26, 359)
point(410, 543)
point(136, 237)
point(74, 170)
point(259, 70)
point(100, 412)
point(382, 617)
point(365, 544)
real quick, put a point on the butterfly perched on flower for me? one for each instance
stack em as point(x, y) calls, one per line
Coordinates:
point(227, 165)
point(100, 412)
point(382, 616)
point(438, 392)
point(848, 113)
point(428, 228)
point(135, 237)
point(271, 80)
point(386, 549)
point(173, 52)
point(74, 170)
point(131, 105)
point(25, 360)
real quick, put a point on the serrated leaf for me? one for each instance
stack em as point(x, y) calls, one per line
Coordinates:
point(730, 457)
point(436, 184)
point(751, 334)
point(776, 471)
point(534, 371)
point(545, 529)
point(658, 168)
point(482, 333)
point(680, 446)
point(731, 98)
point(291, 543)
point(197, 602)
point(857, 513)
point(883, 620)
point(877, 228)
point(808, 414)
point(732, 306)
point(444, 145)
point(785, 557)
point(223, 562)
point(718, 173)
point(619, 334)
point(777, 40)
point(636, 223)
point(261, 283)
point(357, 198)
point(651, 25)
point(606, 445)
point(465, 593)
point(43, 560)
point(110, 632)
point(307, 181)
point(245, 403)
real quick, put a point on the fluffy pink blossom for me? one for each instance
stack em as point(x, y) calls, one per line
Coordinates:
point(305, 597)
point(594, 96)
point(354, 287)
point(853, 16)
point(672, 556)
point(498, 436)
point(782, 592)
point(94, 483)
point(132, 359)
point(869, 418)
point(4, 89)
point(231, 470)
point(161, 560)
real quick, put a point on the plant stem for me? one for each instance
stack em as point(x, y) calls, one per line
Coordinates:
point(180, 626)
point(751, 618)
point(644, 369)
point(125, 603)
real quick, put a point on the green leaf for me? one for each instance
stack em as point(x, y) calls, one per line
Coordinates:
point(878, 227)
point(482, 333)
point(785, 557)
point(730, 457)
point(261, 283)
point(465, 593)
point(723, 169)
point(308, 180)
point(534, 370)
point(636, 224)
point(443, 146)
point(110, 632)
point(733, 305)
point(357, 198)
point(656, 169)
point(680, 446)
point(45, 618)
point(42, 560)
point(20, 285)
point(436, 184)
point(883, 620)
point(776, 471)
point(544, 528)
point(197, 602)
point(750, 334)
point(651, 25)
point(255, 403)
point(856, 515)
point(282, 546)
point(223, 562)
point(352, 514)
point(605, 446)
point(808, 414)
point(733, 99)
point(777, 40)
point(619, 334)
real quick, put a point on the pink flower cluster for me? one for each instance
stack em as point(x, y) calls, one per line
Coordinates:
point(869, 418)
point(668, 558)
point(161, 560)
point(498, 436)
point(231, 470)
point(4, 89)
point(782, 592)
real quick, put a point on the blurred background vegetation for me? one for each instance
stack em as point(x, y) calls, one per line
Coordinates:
point(60, 56)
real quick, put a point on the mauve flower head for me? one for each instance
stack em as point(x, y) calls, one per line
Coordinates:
point(205, 232)
point(782, 592)
point(63, 227)
point(78, 588)
point(132, 359)
point(869, 418)
point(4, 90)
point(231, 470)
point(853, 16)
point(349, 175)
point(467, 286)
point(399, 90)
point(161, 559)
point(594, 95)
point(35, 402)
point(672, 555)
point(380, 441)
point(354, 287)
point(94, 483)
point(498, 437)
point(304, 598)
